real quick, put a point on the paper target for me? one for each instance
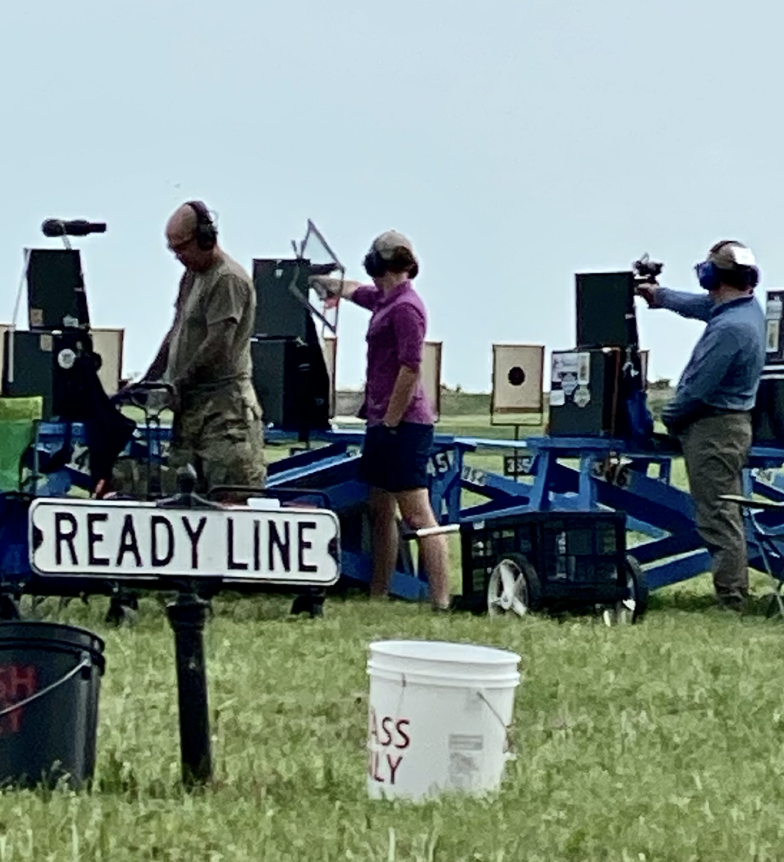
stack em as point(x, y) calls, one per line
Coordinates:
point(518, 379)
point(108, 344)
point(431, 374)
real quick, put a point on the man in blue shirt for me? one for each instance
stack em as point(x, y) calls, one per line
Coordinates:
point(711, 410)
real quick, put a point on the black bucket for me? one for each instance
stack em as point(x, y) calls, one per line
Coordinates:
point(50, 680)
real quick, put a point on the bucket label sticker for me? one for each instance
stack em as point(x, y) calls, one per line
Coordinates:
point(388, 738)
point(17, 683)
point(465, 760)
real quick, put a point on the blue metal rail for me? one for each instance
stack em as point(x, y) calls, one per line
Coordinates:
point(564, 474)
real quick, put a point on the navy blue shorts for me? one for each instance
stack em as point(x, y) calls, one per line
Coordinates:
point(396, 459)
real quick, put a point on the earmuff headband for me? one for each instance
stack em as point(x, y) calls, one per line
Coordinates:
point(206, 233)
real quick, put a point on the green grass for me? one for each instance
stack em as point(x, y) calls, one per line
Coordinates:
point(477, 425)
point(660, 741)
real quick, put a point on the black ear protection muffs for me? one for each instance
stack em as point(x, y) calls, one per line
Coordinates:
point(375, 265)
point(206, 233)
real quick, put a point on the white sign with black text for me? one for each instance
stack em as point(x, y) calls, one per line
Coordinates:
point(123, 540)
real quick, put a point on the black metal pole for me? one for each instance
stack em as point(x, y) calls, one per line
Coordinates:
point(187, 616)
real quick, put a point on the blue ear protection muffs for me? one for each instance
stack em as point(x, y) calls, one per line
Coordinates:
point(709, 274)
point(206, 233)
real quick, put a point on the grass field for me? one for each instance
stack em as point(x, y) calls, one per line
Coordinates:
point(661, 741)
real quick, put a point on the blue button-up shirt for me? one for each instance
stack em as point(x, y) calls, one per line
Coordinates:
point(725, 367)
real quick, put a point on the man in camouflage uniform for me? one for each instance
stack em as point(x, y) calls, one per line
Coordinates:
point(206, 358)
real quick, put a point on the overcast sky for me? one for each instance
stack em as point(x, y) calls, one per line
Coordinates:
point(516, 142)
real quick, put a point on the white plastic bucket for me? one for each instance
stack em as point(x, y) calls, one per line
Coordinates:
point(438, 718)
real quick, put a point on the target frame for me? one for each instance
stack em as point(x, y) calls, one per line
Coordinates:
point(513, 365)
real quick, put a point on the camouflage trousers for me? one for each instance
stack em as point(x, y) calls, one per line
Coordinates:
point(221, 435)
point(132, 477)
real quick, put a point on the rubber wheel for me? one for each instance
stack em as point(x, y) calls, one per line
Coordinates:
point(513, 587)
point(633, 608)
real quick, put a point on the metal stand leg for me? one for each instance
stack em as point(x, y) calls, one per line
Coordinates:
point(765, 549)
point(187, 616)
point(776, 601)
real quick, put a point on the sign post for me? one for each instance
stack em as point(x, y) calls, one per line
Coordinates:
point(187, 616)
point(185, 543)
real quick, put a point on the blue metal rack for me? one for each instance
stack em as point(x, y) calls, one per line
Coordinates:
point(564, 474)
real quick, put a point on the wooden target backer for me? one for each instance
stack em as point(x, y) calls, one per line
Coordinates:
point(431, 374)
point(108, 344)
point(330, 348)
point(518, 382)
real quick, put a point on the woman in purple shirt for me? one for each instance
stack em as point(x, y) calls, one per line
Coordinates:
point(399, 416)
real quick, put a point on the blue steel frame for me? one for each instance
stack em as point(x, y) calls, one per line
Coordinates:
point(564, 474)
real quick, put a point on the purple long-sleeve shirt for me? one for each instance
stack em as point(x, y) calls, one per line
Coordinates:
point(395, 337)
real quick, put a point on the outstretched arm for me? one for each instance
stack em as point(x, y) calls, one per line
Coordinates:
point(693, 305)
point(332, 289)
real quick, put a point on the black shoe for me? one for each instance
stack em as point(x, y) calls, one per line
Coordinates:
point(732, 603)
point(441, 609)
point(307, 603)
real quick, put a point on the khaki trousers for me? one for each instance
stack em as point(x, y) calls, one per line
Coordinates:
point(715, 450)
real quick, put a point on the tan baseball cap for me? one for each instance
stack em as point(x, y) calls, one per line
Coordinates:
point(387, 242)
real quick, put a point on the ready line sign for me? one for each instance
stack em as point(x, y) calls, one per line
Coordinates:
point(118, 539)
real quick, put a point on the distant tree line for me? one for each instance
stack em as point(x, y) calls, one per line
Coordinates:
point(456, 402)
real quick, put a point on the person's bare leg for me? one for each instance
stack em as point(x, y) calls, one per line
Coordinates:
point(418, 514)
point(385, 540)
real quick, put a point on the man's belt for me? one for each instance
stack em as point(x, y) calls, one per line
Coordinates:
point(193, 390)
point(711, 411)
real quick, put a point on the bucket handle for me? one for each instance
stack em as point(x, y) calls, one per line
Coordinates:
point(508, 753)
point(508, 747)
point(84, 663)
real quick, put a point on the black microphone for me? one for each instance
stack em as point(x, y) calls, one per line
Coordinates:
point(75, 227)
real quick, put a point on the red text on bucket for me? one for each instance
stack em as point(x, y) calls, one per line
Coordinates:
point(388, 737)
point(16, 683)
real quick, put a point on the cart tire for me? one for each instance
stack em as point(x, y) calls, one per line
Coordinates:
point(638, 588)
point(522, 592)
